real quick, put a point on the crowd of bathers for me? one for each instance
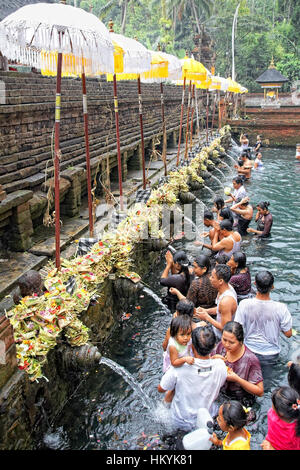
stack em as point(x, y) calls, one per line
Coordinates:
point(224, 336)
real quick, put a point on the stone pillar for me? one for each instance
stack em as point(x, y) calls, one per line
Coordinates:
point(21, 228)
point(72, 202)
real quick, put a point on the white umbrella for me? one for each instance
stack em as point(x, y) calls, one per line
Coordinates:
point(62, 29)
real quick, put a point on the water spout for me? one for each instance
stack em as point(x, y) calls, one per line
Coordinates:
point(156, 298)
point(232, 159)
point(147, 402)
point(218, 169)
point(210, 190)
point(217, 179)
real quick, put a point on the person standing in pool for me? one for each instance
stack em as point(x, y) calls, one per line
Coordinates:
point(176, 274)
point(226, 300)
point(245, 169)
point(257, 162)
point(258, 145)
point(244, 213)
point(263, 319)
point(264, 221)
point(196, 385)
point(239, 190)
point(230, 241)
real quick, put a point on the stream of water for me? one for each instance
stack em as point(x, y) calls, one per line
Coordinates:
point(108, 413)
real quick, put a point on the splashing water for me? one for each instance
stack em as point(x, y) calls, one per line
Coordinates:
point(147, 402)
point(156, 298)
point(218, 181)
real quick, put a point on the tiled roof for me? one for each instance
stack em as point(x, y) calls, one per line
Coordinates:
point(9, 6)
point(271, 75)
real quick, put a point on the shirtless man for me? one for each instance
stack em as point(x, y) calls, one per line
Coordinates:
point(244, 212)
point(246, 168)
point(226, 300)
point(225, 240)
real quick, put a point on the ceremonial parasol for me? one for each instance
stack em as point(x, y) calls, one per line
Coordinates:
point(62, 29)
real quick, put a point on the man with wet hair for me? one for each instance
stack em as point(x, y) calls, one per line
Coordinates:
point(196, 385)
point(244, 170)
point(263, 319)
point(239, 190)
point(226, 300)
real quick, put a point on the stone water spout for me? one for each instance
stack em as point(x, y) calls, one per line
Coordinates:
point(79, 358)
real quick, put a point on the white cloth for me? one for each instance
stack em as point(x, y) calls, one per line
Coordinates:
point(262, 321)
point(196, 386)
point(182, 352)
point(239, 193)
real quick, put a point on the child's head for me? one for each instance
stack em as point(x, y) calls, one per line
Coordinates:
point(181, 329)
point(294, 376)
point(185, 307)
point(286, 403)
point(232, 416)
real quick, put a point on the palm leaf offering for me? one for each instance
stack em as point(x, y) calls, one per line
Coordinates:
point(39, 321)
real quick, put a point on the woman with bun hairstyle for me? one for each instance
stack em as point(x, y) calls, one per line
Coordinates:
point(201, 292)
point(283, 421)
point(244, 380)
point(263, 219)
point(176, 274)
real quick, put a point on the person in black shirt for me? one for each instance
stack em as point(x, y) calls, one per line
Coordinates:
point(176, 274)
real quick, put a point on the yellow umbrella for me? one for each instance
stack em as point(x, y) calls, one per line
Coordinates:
point(233, 86)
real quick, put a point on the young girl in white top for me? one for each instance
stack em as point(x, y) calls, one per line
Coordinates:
point(179, 348)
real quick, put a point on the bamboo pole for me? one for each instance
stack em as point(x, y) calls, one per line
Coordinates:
point(207, 104)
point(116, 107)
point(164, 152)
point(181, 119)
point(142, 130)
point(56, 160)
point(188, 121)
point(192, 116)
point(87, 153)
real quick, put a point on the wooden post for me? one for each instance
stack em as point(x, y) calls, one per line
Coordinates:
point(192, 115)
point(207, 104)
point(181, 119)
point(142, 130)
point(164, 152)
point(118, 141)
point(87, 153)
point(56, 160)
point(188, 122)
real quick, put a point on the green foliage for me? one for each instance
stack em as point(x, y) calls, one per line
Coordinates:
point(264, 29)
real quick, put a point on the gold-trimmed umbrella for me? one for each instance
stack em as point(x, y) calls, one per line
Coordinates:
point(62, 29)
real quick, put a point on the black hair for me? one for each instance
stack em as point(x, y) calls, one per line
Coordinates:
point(223, 272)
point(226, 225)
point(264, 281)
point(203, 340)
point(234, 414)
point(222, 259)
point(203, 261)
point(181, 258)
point(263, 205)
point(236, 329)
point(294, 377)
point(283, 399)
point(181, 322)
point(185, 307)
point(239, 258)
point(238, 180)
point(240, 163)
point(208, 215)
point(226, 214)
point(219, 202)
point(239, 200)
